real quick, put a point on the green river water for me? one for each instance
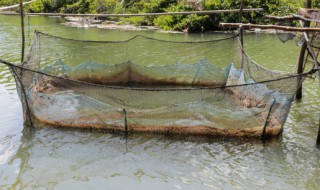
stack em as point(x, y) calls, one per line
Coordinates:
point(49, 158)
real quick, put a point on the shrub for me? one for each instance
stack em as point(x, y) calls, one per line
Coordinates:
point(172, 22)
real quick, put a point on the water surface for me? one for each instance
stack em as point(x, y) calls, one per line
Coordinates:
point(49, 158)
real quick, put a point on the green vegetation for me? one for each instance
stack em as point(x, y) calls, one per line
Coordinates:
point(176, 22)
point(8, 2)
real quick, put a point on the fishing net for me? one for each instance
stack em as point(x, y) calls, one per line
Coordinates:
point(285, 36)
point(150, 85)
point(314, 43)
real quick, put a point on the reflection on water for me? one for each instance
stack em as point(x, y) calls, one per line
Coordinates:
point(62, 159)
point(69, 155)
point(70, 159)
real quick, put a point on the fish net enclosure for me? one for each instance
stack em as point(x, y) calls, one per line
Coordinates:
point(149, 85)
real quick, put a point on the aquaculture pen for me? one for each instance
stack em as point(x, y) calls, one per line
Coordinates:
point(306, 47)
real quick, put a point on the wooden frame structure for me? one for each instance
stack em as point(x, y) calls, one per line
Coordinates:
point(305, 16)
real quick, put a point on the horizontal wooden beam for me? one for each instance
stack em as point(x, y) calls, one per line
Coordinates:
point(15, 6)
point(290, 18)
point(282, 18)
point(142, 14)
point(284, 28)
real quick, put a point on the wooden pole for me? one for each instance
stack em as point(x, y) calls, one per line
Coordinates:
point(309, 4)
point(302, 56)
point(125, 123)
point(140, 14)
point(241, 33)
point(300, 68)
point(240, 20)
point(318, 137)
point(22, 31)
point(269, 26)
point(241, 11)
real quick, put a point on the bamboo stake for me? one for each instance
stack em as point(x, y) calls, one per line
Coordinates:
point(22, 31)
point(139, 14)
point(284, 28)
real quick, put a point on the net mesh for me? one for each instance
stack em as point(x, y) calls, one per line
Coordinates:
point(285, 36)
point(315, 44)
point(150, 85)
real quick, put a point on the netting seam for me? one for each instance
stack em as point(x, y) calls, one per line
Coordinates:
point(255, 63)
point(263, 135)
point(24, 94)
point(156, 89)
point(29, 54)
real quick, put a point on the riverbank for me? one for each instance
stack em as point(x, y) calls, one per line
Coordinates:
point(86, 22)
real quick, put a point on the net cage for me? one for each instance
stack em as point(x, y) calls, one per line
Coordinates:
point(144, 84)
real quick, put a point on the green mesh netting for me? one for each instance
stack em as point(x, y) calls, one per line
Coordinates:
point(151, 85)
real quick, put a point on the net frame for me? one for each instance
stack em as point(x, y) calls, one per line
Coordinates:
point(268, 129)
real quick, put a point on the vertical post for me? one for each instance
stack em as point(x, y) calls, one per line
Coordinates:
point(300, 68)
point(318, 137)
point(22, 30)
point(125, 123)
point(240, 20)
point(302, 55)
point(309, 4)
point(241, 33)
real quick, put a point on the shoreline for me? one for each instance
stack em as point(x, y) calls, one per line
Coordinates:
point(84, 22)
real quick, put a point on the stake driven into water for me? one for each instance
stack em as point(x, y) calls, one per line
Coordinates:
point(22, 30)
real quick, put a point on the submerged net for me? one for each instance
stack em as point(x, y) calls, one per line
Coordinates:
point(151, 85)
